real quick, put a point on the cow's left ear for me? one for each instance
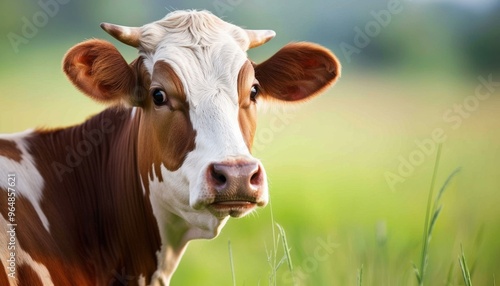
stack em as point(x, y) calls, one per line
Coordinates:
point(99, 70)
point(297, 72)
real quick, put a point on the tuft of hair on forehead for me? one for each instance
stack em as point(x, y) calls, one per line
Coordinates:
point(189, 28)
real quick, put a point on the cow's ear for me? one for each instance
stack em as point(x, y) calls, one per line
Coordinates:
point(99, 70)
point(297, 72)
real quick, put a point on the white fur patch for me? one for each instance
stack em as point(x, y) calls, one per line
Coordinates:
point(133, 112)
point(207, 55)
point(170, 202)
point(209, 72)
point(177, 221)
point(141, 281)
point(29, 182)
point(22, 257)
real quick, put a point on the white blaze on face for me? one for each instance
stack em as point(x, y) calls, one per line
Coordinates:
point(213, 102)
point(209, 75)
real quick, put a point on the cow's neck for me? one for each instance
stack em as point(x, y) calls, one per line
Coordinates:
point(111, 213)
point(174, 232)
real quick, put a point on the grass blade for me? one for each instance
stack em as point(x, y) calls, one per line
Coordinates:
point(433, 222)
point(285, 247)
point(272, 256)
point(417, 273)
point(448, 180)
point(423, 262)
point(360, 276)
point(433, 210)
point(231, 262)
point(274, 252)
point(450, 275)
point(465, 269)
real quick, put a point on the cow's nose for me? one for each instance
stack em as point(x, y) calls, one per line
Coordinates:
point(236, 179)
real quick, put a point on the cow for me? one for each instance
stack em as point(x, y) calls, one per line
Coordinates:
point(167, 162)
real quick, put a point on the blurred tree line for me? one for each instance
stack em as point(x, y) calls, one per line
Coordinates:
point(435, 36)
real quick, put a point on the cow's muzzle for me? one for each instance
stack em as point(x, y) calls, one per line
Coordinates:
point(237, 186)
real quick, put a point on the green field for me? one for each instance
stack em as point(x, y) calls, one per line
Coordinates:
point(327, 162)
point(327, 176)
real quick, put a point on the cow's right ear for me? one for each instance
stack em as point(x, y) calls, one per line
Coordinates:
point(99, 70)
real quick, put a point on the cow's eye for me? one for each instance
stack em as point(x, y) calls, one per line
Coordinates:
point(159, 97)
point(254, 91)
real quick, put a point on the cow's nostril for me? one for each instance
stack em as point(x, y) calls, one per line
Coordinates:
point(256, 178)
point(218, 177)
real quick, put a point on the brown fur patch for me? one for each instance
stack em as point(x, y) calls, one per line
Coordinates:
point(4, 279)
point(247, 113)
point(27, 276)
point(9, 149)
point(166, 134)
point(44, 247)
point(101, 225)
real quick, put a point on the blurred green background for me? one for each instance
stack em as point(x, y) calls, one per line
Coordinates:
point(350, 168)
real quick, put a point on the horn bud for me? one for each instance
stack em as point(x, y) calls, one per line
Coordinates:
point(128, 35)
point(259, 37)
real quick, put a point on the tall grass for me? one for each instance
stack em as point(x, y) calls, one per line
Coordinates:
point(450, 275)
point(272, 256)
point(231, 262)
point(359, 278)
point(465, 269)
point(431, 218)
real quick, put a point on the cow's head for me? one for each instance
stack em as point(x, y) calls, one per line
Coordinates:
point(195, 93)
